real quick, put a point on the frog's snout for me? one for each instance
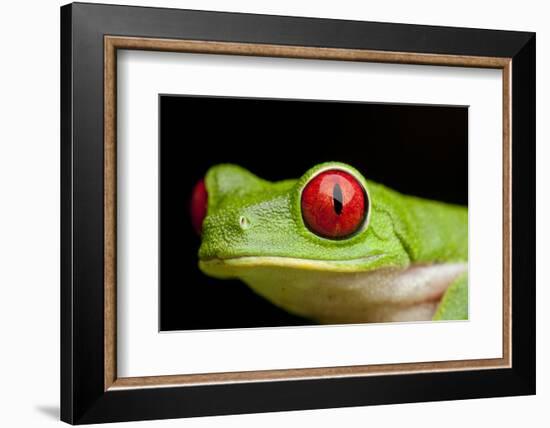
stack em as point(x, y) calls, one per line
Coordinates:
point(198, 205)
point(225, 233)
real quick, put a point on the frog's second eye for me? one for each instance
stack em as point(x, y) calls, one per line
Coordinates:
point(334, 204)
point(199, 201)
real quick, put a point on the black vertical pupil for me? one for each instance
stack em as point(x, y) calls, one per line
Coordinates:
point(337, 198)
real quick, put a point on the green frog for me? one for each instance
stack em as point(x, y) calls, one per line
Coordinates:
point(333, 246)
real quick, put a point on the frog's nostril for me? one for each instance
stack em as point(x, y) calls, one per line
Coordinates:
point(243, 222)
point(199, 202)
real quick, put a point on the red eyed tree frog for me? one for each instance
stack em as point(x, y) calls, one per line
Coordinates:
point(334, 247)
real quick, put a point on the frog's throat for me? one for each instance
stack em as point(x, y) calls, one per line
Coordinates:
point(343, 291)
point(225, 267)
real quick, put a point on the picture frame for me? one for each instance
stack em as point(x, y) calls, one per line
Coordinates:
point(91, 389)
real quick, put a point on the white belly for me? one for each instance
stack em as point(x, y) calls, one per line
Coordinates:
point(385, 295)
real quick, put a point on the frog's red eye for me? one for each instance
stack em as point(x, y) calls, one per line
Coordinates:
point(334, 204)
point(199, 201)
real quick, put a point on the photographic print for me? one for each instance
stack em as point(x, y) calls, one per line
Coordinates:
point(303, 199)
point(305, 212)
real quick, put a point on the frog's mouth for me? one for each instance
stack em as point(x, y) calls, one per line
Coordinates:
point(226, 267)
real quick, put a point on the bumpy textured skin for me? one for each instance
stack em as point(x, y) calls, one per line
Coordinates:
point(454, 305)
point(248, 217)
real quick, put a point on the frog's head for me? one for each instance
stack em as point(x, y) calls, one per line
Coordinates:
point(327, 220)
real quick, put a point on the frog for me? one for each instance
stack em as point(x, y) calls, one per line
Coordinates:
point(333, 247)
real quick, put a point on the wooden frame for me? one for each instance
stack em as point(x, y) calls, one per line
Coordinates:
point(513, 53)
point(112, 43)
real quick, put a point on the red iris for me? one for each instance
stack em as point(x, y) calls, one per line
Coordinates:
point(199, 200)
point(334, 204)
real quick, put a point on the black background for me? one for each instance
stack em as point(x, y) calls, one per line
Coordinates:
point(419, 150)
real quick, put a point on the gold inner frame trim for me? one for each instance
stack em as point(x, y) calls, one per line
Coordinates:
point(113, 43)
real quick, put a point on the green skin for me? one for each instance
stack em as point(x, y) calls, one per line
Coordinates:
point(408, 262)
